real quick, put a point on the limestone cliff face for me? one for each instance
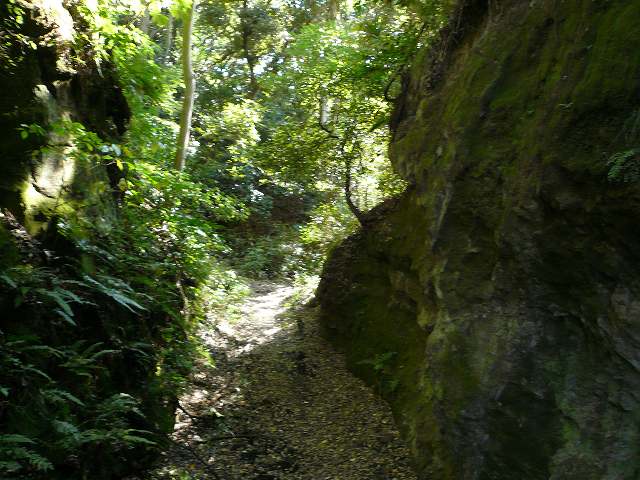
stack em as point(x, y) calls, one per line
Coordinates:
point(497, 302)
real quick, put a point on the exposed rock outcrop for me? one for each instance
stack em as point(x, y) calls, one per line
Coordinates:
point(497, 302)
point(46, 80)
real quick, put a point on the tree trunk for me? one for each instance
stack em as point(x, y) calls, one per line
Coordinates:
point(190, 87)
point(347, 191)
point(246, 34)
point(168, 40)
point(331, 15)
point(333, 10)
point(146, 20)
point(324, 110)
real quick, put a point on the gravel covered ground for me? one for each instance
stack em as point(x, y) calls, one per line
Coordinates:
point(280, 404)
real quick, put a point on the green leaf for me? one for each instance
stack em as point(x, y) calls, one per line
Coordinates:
point(69, 294)
point(39, 462)
point(102, 353)
point(37, 372)
point(66, 428)
point(44, 348)
point(136, 439)
point(15, 438)
point(59, 395)
point(117, 295)
point(58, 298)
point(160, 20)
point(9, 467)
point(8, 281)
point(66, 317)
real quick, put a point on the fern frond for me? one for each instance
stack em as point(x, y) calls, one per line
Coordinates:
point(116, 293)
point(15, 438)
point(61, 396)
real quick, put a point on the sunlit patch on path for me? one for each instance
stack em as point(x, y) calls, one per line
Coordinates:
point(259, 315)
point(280, 404)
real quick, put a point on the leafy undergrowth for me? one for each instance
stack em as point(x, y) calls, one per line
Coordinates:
point(97, 338)
point(99, 315)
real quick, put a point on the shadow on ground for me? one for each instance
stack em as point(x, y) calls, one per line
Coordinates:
point(280, 404)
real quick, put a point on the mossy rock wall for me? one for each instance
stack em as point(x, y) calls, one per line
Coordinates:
point(46, 78)
point(496, 304)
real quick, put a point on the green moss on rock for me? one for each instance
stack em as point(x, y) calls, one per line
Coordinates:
point(506, 277)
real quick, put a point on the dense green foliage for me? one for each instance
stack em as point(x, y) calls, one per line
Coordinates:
point(291, 122)
point(98, 315)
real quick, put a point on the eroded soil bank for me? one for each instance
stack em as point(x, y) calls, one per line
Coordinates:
point(280, 404)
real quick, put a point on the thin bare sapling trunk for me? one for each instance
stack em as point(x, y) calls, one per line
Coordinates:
point(348, 194)
point(348, 159)
point(146, 20)
point(249, 57)
point(190, 88)
point(168, 39)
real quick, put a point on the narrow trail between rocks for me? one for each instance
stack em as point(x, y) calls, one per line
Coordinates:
point(280, 404)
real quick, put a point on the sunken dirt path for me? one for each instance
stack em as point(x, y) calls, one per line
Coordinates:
point(280, 404)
